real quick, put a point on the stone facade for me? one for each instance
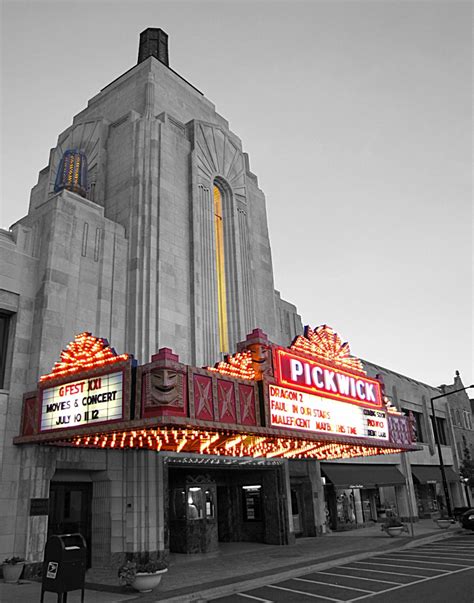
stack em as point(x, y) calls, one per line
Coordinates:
point(155, 148)
point(134, 262)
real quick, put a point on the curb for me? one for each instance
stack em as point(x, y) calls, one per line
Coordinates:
point(247, 584)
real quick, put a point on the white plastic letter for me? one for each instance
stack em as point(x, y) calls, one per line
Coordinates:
point(296, 369)
point(307, 374)
point(360, 389)
point(369, 392)
point(353, 389)
point(317, 373)
point(329, 381)
point(343, 384)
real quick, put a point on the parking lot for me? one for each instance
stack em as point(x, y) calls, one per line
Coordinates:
point(439, 571)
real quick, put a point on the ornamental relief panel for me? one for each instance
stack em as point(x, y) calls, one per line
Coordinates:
point(218, 158)
point(216, 154)
point(87, 137)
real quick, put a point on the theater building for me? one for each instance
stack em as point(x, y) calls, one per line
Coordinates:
point(148, 229)
point(166, 457)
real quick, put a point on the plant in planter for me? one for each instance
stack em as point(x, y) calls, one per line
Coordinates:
point(12, 568)
point(143, 577)
point(393, 526)
point(444, 520)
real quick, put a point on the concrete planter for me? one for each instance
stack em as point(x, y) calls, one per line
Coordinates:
point(395, 530)
point(145, 583)
point(443, 523)
point(12, 572)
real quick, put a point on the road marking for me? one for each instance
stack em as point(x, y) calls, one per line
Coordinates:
point(362, 590)
point(427, 569)
point(451, 548)
point(381, 592)
point(359, 577)
point(254, 598)
point(410, 560)
point(448, 548)
point(461, 549)
point(452, 544)
point(301, 592)
point(364, 569)
point(451, 556)
point(447, 551)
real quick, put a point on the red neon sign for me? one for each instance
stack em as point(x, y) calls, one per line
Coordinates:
point(326, 381)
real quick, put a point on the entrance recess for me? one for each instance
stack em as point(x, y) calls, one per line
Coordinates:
point(236, 503)
point(70, 511)
point(295, 510)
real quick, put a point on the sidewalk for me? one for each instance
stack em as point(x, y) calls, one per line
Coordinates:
point(235, 566)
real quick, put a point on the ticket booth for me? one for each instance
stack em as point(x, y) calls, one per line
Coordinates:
point(193, 516)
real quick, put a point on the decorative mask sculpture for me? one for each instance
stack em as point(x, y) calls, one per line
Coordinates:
point(166, 388)
point(261, 359)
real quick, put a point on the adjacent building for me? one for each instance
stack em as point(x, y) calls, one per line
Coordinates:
point(411, 484)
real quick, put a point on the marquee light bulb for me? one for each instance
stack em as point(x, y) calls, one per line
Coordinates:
point(225, 443)
point(84, 353)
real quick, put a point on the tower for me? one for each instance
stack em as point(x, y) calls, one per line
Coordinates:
point(190, 253)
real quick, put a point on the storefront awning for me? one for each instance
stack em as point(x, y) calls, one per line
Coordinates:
point(425, 474)
point(366, 476)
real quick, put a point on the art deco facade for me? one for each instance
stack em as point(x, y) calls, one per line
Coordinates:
point(148, 228)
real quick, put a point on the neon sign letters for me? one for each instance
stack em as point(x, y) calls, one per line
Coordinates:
point(326, 381)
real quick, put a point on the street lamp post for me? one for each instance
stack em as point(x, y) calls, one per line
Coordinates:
point(438, 445)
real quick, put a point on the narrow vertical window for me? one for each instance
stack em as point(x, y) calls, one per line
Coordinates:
point(85, 236)
point(4, 328)
point(220, 270)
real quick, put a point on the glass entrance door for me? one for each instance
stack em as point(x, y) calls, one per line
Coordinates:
point(70, 510)
point(295, 510)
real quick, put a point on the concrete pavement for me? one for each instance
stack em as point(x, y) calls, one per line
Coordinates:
point(236, 566)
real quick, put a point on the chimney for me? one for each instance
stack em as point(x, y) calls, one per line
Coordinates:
point(153, 43)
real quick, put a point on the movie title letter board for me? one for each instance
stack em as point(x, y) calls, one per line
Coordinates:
point(83, 402)
point(299, 410)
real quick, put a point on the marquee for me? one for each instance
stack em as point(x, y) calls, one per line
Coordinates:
point(311, 400)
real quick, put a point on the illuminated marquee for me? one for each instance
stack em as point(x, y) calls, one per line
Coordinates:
point(326, 345)
point(84, 402)
point(299, 410)
point(222, 444)
point(314, 400)
point(85, 353)
point(315, 377)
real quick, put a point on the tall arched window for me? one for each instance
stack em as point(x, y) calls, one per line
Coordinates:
point(220, 271)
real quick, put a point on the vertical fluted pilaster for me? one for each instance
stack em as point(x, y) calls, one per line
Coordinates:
point(142, 317)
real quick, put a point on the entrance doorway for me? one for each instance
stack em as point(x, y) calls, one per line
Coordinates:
point(225, 504)
point(70, 511)
point(295, 510)
point(369, 504)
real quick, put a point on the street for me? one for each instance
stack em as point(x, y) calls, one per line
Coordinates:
point(437, 572)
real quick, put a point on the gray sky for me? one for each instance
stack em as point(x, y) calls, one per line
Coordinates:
point(357, 119)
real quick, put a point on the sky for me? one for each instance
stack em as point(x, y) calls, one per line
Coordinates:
point(357, 118)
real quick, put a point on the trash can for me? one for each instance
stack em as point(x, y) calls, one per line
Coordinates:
point(64, 565)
